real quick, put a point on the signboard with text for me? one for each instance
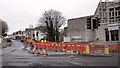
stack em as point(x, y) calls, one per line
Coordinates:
point(114, 26)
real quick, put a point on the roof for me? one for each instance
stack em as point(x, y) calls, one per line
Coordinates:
point(80, 17)
point(27, 29)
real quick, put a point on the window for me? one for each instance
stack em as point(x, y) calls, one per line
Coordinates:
point(110, 20)
point(119, 13)
point(115, 13)
point(114, 35)
point(112, 13)
point(113, 20)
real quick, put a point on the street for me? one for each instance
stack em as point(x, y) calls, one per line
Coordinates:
point(16, 56)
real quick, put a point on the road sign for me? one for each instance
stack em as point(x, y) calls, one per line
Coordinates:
point(114, 26)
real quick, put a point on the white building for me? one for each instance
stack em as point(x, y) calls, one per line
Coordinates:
point(33, 33)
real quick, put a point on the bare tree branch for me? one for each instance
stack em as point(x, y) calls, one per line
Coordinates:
point(53, 20)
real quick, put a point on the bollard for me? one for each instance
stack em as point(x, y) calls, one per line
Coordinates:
point(87, 49)
point(106, 50)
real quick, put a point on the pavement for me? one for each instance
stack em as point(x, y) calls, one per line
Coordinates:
point(16, 56)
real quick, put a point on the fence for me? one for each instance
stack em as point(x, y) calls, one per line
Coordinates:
point(79, 48)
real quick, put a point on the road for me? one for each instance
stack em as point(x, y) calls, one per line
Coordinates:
point(16, 56)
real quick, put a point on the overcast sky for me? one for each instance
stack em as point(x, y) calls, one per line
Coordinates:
point(19, 14)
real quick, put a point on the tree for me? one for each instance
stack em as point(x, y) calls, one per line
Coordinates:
point(53, 20)
point(4, 28)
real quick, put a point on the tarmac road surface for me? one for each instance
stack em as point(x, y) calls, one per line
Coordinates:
point(16, 56)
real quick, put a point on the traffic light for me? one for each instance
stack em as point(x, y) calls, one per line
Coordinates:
point(95, 26)
point(98, 21)
point(36, 33)
point(33, 35)
point(89, 23)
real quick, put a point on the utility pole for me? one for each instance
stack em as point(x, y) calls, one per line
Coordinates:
point(0, 31)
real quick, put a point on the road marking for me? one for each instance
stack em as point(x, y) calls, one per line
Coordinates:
point(13, 50)
point(80, 64)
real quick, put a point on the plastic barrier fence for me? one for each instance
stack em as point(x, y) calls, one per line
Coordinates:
point(79, 48)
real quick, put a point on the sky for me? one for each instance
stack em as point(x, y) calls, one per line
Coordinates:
point(19, 14)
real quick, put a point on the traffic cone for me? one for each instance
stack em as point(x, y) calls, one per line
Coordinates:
point(44, 53)
point(72, 55)
point(87, 49)
point(38, 52)
point(34, 50)
point(28, 49)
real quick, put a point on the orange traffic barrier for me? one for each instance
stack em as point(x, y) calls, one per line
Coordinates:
point(82, 49)
point(91, 48)
point(27, 43)
point(79, 48)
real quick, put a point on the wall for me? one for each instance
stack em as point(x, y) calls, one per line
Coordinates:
point(77, 27)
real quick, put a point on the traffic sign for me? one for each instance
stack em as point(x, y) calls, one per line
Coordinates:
point(114, 26)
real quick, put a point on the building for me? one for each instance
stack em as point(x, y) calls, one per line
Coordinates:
point(17, 35)
point(40, 32)
point(109, 12)
point(77, 30)
point(65, 32)
point(35, 33)
point(109, 16)
point(29, 32)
